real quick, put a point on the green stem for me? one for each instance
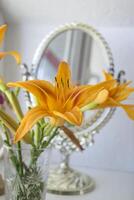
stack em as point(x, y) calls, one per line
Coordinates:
point(15, 104)
point(16, 107)
point(20, 158)
point(35, 153)
point(13, 100)
point(7, 143)
point(37, 135)
point(8, 121)
point(50, 138)
point(5, 132)
point(48, 130)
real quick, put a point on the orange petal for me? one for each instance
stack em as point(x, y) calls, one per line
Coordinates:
point(28, 121)
point(69, 103)
point(63, 84)
point(33, 88)
point(123, 95)
point(87, 95)
point(49, 90)
point(85, 98)
point(108, 85)
point(3, 29)
point(79, 95)
point(113, 91)
point(121, 92)
point(118, 88)
point(64, 75)
point(74, 116)
point(46, 86)
point(101, 97)
point(107, 76)
point(129, 109)
point(15, 54)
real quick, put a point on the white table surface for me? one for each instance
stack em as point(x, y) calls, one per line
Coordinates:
point(110, 185)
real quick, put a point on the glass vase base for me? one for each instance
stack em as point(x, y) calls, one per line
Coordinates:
point(67, 181)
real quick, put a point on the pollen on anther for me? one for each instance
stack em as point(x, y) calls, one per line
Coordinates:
point(68, 83)
point(56, 82)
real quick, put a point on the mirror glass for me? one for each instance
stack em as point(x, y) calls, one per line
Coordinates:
point(84, 54)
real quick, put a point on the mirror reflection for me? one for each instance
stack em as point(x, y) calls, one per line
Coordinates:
point(84, 53)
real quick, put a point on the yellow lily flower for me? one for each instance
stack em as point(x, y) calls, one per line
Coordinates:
point(116, 94)
point(15, 54)
point(61, 102)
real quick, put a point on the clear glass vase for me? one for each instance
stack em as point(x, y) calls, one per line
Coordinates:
point(26, 173)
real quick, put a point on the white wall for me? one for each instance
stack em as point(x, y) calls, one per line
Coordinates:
point(96, 12)
point(114, 146)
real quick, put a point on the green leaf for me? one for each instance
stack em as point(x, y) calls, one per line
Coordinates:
point(8, 121)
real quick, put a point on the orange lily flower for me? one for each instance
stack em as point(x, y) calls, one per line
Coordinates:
point(61, 102)
point(116, 94)
point(16, 55)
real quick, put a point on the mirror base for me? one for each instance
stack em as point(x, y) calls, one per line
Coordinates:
point(67, 181)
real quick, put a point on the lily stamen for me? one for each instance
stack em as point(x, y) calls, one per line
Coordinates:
point(56, 82)
point(62, 82)
point(68, 83)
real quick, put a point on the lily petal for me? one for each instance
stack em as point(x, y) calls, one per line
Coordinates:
point(107, 76)
point(63, 84)
point(124, 94)
point(3, 29)
point(33, 88)
point(88, 94)
point(64, 75)
point(129, 109)
point(28, 121)
point(46, 86)
point(15, 54)
point(74, 116)
point(69, 103)
point(101, 97)
point(48, 89)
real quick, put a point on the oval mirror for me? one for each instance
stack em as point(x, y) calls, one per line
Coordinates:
point(88, 54)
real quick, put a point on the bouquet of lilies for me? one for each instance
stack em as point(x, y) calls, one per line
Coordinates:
point(56, 103)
